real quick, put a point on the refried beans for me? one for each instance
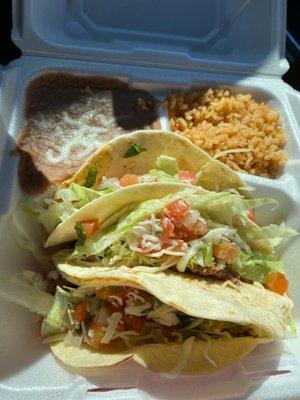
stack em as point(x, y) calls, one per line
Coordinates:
point(68, 117)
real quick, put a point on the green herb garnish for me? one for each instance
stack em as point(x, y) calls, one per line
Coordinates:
point(81, 234)
point(133, 151)
point(91, 178)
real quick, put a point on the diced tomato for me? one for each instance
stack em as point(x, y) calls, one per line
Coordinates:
point(112, 308)
point(167, 330)
point(134, 322)
point(181, 232)
point(177, 209)
point(98, 334)
point(168, 229)
point(187, 176)
point(121, 326)
point(91, 226)
point(251, 216)
point(226, 251)
point(80, 313)
point(129, 179)
point(278, 283)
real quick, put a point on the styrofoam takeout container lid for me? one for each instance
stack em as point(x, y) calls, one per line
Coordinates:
point(222, 35)
point(156, 45)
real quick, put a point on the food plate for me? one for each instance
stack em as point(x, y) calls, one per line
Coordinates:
point(28, 370)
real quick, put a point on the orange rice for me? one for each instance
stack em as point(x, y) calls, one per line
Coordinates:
point(218, 120)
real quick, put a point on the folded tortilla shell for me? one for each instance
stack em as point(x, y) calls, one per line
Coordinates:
point(203, 358)
point(245, 304)
point(108, 207)
point(110, 162)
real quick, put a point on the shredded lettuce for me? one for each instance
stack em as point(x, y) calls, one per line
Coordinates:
point(167, 164)
point(277, 233)
point(207, 254)
point(28, 290)
point(64, 204)
point(25, 242)
point(85, 195)
point(56, 314)
point(49, 217)
point(184, 260)
point(53, 215)
point(264, 239)
point(223, 206)
point(257, 267)
point(31, 207)
point(162, 176)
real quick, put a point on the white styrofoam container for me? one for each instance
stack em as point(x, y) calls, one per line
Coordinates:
point(157, 46)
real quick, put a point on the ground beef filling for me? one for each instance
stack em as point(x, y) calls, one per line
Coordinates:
point(213, 272)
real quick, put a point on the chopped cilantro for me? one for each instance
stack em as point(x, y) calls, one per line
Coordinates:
point(91, 178)
point(133, 151)
point(81, 234)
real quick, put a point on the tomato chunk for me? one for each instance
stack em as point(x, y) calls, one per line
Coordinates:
point(181, 232)
point(167, 330)
point(251, 216)
point(80, 313)
point(278, 283)
point(91, 226)
point(134, 322)
point(168, 229)
point(226, 251)
point(129, 179)
point(187, 176)
point(177, 209)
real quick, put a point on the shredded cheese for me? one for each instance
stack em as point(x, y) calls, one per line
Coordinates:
point(72, 340)
point(184, 357)
point(137, 310)
point(206, 355)
point(164, 315)
point(70, 315)
point(113, 322)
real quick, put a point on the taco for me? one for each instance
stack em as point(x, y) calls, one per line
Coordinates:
point(191, 231)
point(166, 322)
point(143, 157)
point(168, 154)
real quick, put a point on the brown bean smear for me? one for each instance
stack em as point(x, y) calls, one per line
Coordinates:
point(218, 120)
point(68, 117)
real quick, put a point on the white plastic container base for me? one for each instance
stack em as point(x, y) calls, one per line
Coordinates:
point(76, 37)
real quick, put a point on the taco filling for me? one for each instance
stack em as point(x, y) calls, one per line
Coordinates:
point(68, 200)
point(213, 235)
point(135, 317)
point(110, 314)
